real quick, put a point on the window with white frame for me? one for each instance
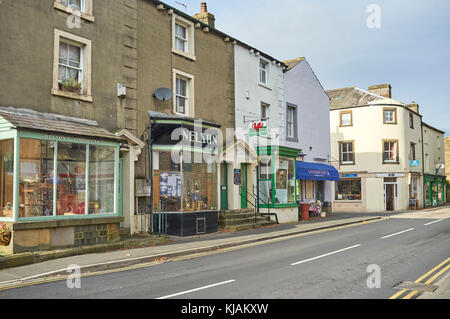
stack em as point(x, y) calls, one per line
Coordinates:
point(81, 8)
point(72, 66)
point(181, 38)
point(70, 62)
point(346, 118)
point(390, 151)
point(74, 4)
point(183, 86)
point(183, 32)
point(265, 111)
point(263, 71)
point(347, 153)
point(390, 116)
point(290, 122)
point(182, 96)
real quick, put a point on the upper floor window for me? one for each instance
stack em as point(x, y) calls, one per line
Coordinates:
point(265, 108)
point(390, 116)
point(181, 38)
point(390, 151)
point(74, 4)
point(411, 120)
point(263, 68)
point(182, 95)
point(183, 31)
point(183, 85)
point(72, 66)
point(290, 122)
point(346, 118)
point(412, 152)
point(70, 63)
point(347, 153)
point(81, 8)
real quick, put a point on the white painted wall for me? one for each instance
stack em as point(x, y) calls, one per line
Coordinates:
point(303, 89)
point(249, 92)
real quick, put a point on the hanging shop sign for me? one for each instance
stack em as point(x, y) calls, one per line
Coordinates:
point(258, 128)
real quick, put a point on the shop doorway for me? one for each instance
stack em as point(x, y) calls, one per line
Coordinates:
point(390, 194)
point(243, 186)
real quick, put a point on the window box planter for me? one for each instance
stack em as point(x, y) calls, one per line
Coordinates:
point(70, 86)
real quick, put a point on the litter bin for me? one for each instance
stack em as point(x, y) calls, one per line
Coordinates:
point(305, 211)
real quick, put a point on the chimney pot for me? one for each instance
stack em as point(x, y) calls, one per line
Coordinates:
point(203, 7)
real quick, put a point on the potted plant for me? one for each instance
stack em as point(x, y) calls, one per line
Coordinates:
point(5, 234)
point(70, 85)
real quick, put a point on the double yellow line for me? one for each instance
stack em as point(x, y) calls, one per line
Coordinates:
point(438, 271)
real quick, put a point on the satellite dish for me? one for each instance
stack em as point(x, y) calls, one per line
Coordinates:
point(163, 94)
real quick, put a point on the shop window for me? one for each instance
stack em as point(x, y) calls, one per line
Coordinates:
point(199, 187)
point(285, 181)
point(169, 181)
point(101, 179)
point(71, 179)
point(36, 178)
point(7, 178)
point(348, 189)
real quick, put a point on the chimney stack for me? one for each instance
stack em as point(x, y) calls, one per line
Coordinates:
point(204, 16)
point(413, 107)
point(384, 90)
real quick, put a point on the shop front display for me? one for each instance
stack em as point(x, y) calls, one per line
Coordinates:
point(52, 174)
point(434, 190)
point(185, 173)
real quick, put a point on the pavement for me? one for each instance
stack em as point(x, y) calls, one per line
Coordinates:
point(38, 270)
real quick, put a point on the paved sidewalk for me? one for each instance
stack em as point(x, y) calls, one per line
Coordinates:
point(443, 292)
point(178, 247)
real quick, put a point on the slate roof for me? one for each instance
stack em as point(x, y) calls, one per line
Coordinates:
point(49, 122)
point(351, 97)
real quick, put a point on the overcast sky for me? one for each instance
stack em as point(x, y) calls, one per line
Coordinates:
point(410, 50)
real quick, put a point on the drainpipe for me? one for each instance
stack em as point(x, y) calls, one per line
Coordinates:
point(423, 165)
point(150, 159)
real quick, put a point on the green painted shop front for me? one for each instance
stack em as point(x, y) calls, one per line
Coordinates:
point(58, 190)
point(434, 190)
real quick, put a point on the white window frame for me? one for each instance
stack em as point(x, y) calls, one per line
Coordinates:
point(290, 125)
point(341, 145)
point(86, 12)
point(85, 60)
point(264, 71)
point(190, 37)
point(190, 92)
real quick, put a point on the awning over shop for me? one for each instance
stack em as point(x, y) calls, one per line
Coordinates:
point(316, 172)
